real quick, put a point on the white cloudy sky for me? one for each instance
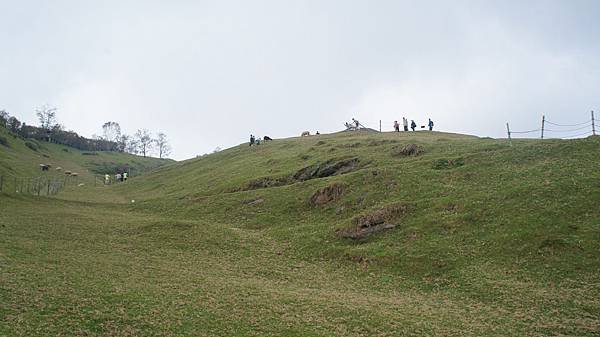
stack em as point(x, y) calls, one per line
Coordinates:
point(209, 73)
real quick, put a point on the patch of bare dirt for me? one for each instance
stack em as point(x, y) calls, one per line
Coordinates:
point(326, 169)
point(252, 202)
point(264, 182)
point(361, 233)
point(407, 150)
point(327, 194)
point(321, 170)
point(380, 220)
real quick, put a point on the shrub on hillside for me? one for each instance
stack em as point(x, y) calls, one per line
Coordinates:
point(32, 146)
point(443, 164)
point(4, 141)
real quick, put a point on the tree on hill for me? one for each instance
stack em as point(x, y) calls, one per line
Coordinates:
point(162, 145)
point(123, 142)
point(132, 146)
point(14, 124)
point(111, 131)
point(144, 140)
point(4, 116)
point(46, 116)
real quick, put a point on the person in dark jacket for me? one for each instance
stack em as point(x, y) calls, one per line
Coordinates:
point(430, 124)
point(252, 140)
point(413, 125)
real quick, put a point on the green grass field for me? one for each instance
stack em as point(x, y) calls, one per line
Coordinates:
point(490, 239)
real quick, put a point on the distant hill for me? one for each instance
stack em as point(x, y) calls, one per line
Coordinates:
point(22, 158)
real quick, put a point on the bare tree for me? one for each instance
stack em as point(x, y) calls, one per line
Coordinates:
point(123, 142)
point(132, 146)
point(162, 145)
point(47, 116)
point(111, 131)
point(144, 141)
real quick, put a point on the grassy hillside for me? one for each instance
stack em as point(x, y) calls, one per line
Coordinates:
point(22, 158)
point(466, 197)
point(351, 234)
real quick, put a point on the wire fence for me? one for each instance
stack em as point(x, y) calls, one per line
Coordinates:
point(40, 186)
point(50, 184)
point(557, 130)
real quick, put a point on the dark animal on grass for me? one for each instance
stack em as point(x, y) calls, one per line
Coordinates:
point(267, 138)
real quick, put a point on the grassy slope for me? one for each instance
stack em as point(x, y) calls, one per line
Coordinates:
point(18, 160)
point(507, 244)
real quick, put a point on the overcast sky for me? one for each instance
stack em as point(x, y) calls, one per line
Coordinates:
point(209, 73)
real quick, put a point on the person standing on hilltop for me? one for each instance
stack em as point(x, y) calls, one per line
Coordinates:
point(430, 124)
point(396, 126)
point(405, 123)
point(413, 125)
point(251, 140)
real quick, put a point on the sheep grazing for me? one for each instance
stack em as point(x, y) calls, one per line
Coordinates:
point(58, 168)
point(45, 167)
point(74, 174)
point(68, 173)
point(305, 134)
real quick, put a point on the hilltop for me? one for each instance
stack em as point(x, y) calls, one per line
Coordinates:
point(354, 233)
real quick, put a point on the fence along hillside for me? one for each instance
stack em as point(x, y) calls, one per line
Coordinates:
point(41, 185)
point(553, 130)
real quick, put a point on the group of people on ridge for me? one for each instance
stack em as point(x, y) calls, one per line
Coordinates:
point(413, 125)
point(354, 125)
point(257, 141)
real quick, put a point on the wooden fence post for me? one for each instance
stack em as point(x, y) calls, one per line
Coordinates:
point(543, 122)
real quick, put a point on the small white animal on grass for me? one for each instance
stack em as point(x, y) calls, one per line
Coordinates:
point(81, 185)
point(305, 134)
